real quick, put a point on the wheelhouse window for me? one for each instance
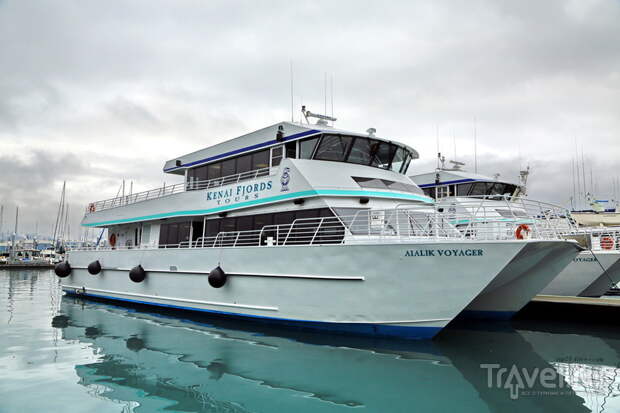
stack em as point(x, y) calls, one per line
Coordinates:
point(381, 154)
point(306, 147)
point(485, 189)
point(333, 148)
point(360, 152)
point(357, 150)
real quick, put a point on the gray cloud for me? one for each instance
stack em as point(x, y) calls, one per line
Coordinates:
point(95, 93)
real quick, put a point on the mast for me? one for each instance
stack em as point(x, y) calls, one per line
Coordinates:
point(475, 147)
point(60, 214)
point(292, 120)
point(572, 175)
point(583, 172)
point(1, 219)
point(12, 255)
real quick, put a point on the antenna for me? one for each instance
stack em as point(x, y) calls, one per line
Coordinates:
point(475, 147)
point(291, 62)
point(437, 139)
point(325, 91)
point(454, 142)
point(332, 90)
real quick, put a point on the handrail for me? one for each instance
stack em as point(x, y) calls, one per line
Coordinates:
point(173, 189)
point(468, 219)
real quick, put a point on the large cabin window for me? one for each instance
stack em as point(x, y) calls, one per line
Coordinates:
point(260, 159)
point(172, 234)
point(244, 163)
point(214, 171)
point(229, 167)
point(301, 233)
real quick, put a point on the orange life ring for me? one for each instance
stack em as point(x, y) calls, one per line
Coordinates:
point(112, 240)
point(91, 207)
point(521, 229)
point(607, 243)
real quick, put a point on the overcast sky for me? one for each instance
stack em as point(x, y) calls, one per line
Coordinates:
point(93, 92)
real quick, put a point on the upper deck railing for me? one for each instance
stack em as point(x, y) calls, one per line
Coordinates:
point(173, 189)
point(472, 221)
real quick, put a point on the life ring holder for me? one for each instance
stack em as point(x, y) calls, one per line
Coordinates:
point(521, 229)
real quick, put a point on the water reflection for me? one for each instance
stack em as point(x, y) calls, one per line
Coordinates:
point(142, 361)
point(589, 361)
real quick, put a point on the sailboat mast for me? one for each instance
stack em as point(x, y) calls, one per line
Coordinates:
point(14, 234)
point(583, 172)
point(572, 175)
point(59, 214)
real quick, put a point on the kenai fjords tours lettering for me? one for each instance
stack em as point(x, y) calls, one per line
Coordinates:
point(239, 193)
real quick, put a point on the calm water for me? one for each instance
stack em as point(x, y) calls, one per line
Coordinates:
point(71, 355)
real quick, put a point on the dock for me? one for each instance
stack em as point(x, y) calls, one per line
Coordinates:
point(588, 309)
point(25, 266)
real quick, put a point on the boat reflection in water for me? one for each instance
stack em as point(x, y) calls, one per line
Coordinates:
point(156, 361)
point(589, 361)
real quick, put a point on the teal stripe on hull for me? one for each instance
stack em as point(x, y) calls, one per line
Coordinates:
point(301, 194)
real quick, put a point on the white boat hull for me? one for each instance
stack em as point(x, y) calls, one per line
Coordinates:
point(521, 280)
point(588, 269)
point(382, 289)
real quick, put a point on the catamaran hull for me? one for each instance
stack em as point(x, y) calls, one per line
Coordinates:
point(409, 290)
point(586, 270)
point(526, 275)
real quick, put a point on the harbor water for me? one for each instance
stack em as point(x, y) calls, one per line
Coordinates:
point(67, 354)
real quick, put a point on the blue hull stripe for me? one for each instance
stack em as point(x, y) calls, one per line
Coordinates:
point(247, 148)
point(351, 328)
point(300, 194)
point(458, 181)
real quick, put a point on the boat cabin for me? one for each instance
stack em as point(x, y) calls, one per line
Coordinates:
point(459, 183)
point(271, 177)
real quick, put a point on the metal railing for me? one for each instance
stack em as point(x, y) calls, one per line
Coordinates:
point(173, 189)
point(597, 238)
point(471, 220)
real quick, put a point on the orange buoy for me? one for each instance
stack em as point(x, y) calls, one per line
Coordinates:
point(522, 231)
point(607, 243)
point(112, 240)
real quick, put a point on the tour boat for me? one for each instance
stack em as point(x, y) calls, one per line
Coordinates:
point(590, 273)
point(299, 224)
